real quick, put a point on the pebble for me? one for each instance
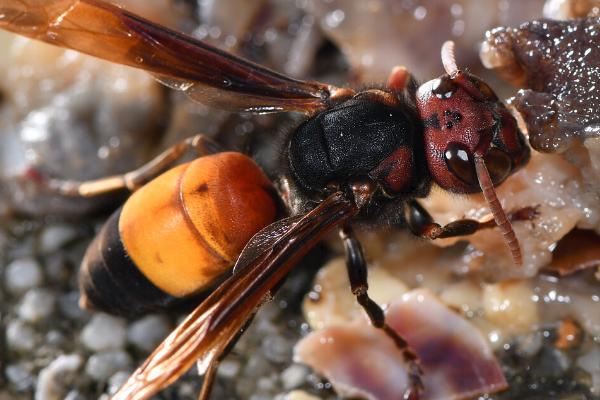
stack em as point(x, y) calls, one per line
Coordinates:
point(265, 384)
point(277, 349)
point(229, 368)
point(54, 380)
point(53, 237)
point(294, 376)
point(74, 395)
point(20, 376)
point(299, 395)
point(22, 274)
point(116, 381)
point(104, 332)
point(101, 366)
point(55, 338)
point(37, 305)
point(20, 337)
point(146, 333)
point(256, 366)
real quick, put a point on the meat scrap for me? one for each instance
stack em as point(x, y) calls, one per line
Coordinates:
point(361, 361)
point(558, 65)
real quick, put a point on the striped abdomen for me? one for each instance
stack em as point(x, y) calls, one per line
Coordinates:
point(176, 235)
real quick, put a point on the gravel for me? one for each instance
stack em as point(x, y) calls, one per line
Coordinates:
point(22, 274)
point(37, 305)
point(146, 333)
point(104, 332)
point(54, 237)
point(20, 336)
point(53, 380)
point(101, 366)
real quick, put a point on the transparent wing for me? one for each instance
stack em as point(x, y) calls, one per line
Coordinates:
point(205, 73)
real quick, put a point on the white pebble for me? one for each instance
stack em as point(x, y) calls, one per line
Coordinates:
point(74, 395)
point(104, 332)
point(299, 395)
point(54, 237)
point(276, 348)
point(265, 384)
point(102, 366)
point(148, 332)
point(55, 338)
point(53, 382)
point(229, 368)
point(37, 304)
point(294, 376)
point(22, 274)
point(116, 381)
point(19, 375)
point(20, 336)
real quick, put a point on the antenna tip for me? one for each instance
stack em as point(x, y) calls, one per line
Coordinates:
point(448, 59)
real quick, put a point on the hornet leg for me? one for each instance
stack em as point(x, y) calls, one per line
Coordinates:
point(134, 179)
point(357, 273)
point(421, 223)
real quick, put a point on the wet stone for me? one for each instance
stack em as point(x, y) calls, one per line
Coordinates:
point(22, 274)
point(146, 333)
point(277, 349)
point(20, 337)
point(101, 366)
point(74, 395)
point(104, 332)
point(55, 379)
point(299, 395)
point(55, 338)
point(37, 305)
point(294, 376)
point(116, 381)
point(54, 237)
point(20, 376)
point(229, 368)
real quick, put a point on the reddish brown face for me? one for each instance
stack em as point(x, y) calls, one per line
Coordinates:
point(463, 119)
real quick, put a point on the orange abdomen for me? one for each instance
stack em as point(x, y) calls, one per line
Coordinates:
point(187, 227)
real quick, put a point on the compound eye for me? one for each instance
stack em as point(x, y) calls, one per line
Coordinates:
point(460, 162)
point(443, 87)
point(499, 164)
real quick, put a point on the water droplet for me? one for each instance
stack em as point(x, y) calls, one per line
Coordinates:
point(420, 13)
point(334, 18)
point(270, 35)
point(456, 10)
point(230, 41)
point(366, 60)
point(214, 32)
point(458, 28)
